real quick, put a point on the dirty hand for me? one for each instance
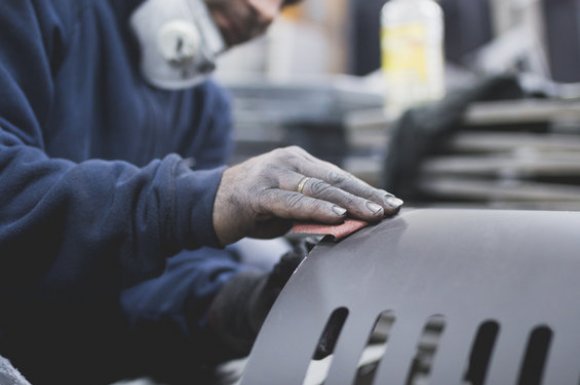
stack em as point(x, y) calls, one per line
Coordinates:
point(261, 197)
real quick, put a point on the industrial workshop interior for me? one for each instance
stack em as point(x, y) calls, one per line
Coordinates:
point(117, 272)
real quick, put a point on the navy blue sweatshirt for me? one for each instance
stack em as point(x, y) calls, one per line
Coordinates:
point(96, 189)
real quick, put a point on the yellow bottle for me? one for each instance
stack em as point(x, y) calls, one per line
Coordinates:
point(412, 54)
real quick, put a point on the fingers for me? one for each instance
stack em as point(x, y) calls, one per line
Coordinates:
point(299, 207)
point(344, 181)
point(357, 206)
point(335, 185)
point(262, 196)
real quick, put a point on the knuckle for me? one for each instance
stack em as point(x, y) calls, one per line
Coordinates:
point(281, 159)
point(294, 160)
point(284, 151)
point(318, 207)
point(262, 201)
point(294, 148)
point(268, 177)
point(351, 201)
point(294, 202)
point(336, 178)
point(318, 187)
point(297, 151)
point(278, 153)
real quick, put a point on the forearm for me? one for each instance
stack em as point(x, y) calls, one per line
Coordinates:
point(87, 225)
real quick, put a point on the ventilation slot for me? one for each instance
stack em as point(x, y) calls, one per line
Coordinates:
point(375, 349)
point(322, 359)
point(481, 353)
point(536, 353)
point(421, 365)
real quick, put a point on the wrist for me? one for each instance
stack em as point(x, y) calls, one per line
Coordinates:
point(195, 193)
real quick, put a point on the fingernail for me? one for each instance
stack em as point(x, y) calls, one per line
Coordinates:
point(339, 211)
point(394, 202)
point(374, 207)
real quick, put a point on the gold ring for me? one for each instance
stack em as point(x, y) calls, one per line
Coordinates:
point(302, 184)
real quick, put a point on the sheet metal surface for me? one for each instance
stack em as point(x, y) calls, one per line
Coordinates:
point(517, 268)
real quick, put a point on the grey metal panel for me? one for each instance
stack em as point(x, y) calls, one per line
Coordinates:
point(517, 268)
point(402, 348)
point(452, 355)
point(350, 347)
point(509, 353)
point(563, 361)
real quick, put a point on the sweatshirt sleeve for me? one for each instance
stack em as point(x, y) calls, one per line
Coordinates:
point(89, 226)
point(217, 146)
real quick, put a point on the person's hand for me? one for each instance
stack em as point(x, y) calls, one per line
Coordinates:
point(261, 197)
point(242, 20)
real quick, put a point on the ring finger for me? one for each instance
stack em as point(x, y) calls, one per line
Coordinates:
point(315, 188)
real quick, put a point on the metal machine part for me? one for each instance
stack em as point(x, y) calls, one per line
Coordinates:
point(433, 297)
point(179, 42)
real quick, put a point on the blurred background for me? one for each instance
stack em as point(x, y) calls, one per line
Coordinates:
point(506, 134)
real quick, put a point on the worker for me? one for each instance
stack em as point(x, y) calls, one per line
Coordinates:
point(105, 174)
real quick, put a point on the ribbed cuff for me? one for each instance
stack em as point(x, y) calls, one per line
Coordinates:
point(195, 193)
